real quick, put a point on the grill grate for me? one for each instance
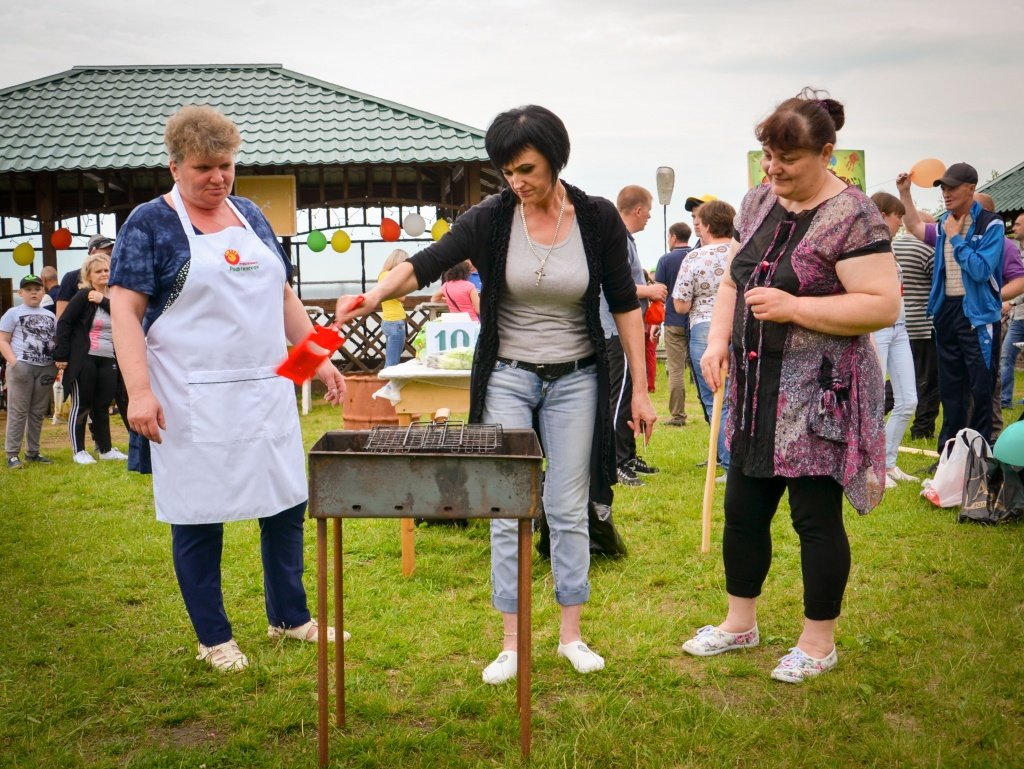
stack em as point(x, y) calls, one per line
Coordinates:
point(453, 436)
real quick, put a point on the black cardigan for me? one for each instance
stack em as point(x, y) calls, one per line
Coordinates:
point(73, 334)
point(482, 235)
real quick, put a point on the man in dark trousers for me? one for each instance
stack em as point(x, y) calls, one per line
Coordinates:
point(677, 337)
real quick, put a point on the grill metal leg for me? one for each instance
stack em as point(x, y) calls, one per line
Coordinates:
point(408, 532)
point(321, 643)
point(525, 644)
point(339, 632)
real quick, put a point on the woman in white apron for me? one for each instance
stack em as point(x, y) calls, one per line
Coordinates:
point(202, 314)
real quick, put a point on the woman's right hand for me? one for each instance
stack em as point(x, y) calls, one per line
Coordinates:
point(713, 361)
point(146, 415)
point(351, 306)
point(95, 296)
point(903, 182)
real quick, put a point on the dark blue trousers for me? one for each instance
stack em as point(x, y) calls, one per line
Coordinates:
point(197, 554)
point(965, 379)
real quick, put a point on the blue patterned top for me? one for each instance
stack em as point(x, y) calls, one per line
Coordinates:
point(151, 254)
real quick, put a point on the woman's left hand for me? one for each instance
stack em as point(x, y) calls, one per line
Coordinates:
point(644, 415)
point(335, 382)
point(771, 304)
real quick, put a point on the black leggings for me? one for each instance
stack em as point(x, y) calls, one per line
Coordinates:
point(92, 393)
point(816, 505)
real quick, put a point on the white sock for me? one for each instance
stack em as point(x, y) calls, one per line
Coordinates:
point(581, 656)
point(502, 669)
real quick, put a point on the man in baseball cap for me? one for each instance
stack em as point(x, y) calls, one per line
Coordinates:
point(964, 302)
point(693, 203)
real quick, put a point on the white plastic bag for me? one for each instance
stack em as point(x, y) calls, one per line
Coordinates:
point(946, 489)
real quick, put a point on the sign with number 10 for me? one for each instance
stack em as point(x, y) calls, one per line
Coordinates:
point(442, 336)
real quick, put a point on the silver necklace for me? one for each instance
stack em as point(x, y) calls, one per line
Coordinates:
point(542, 260)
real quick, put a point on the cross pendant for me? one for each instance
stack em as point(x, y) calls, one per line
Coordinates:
point(540, 274)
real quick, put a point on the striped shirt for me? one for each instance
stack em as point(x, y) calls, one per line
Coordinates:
point(916, 260)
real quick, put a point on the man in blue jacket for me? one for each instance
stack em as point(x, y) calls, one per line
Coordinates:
point(964, 303)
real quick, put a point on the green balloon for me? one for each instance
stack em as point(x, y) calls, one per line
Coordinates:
point(1009, 446)
point(316, 241)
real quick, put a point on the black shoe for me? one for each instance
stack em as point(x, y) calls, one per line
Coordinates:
point(38, 459)
point(675, 422)
point(637, 465)
point(13, 463)
point(627, 477)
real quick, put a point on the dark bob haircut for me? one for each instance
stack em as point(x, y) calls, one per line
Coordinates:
point(808, 121)
point(513, 131)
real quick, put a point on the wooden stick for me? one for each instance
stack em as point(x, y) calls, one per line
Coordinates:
point(925, 452)
point(709, 477)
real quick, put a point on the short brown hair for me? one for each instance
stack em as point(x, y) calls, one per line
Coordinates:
point(716, 218)
point(631, 196)
point(808, 121)
point(889, 204)
point(200, 131)
point(680, 231)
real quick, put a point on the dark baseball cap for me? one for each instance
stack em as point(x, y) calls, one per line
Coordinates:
point(100, 241)
point(31, 280)
point(957, 174)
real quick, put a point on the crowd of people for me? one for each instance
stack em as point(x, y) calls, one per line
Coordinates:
point(798, 301)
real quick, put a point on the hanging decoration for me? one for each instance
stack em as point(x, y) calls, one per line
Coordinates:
point(340, 241)
point(24, 254)
point(389, 230)
point(414, 225)
point(440, 229)
point(316, 241)
point(61, 239)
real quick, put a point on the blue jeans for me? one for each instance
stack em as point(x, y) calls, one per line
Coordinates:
point(699, 343)
point(895, 357)
point(566, 409)
point(394, 339)
point(1014, 333)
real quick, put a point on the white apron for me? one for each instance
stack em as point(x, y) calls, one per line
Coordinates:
point(232, 449)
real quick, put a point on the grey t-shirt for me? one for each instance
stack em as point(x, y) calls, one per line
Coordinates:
point(607, 320)
point(544, 323)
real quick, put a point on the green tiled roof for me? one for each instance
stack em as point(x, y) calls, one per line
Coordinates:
point(91, 118)
point(1007, 190)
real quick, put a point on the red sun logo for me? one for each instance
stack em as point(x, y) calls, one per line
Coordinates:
point(231, 256)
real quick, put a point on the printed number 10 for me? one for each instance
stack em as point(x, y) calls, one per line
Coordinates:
point(453, 339)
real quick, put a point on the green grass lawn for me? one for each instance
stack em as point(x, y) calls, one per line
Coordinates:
point(97, 663)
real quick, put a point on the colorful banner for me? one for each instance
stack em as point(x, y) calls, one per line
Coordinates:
point(848, 165)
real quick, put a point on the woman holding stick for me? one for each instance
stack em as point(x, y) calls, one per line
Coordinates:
point(810, 276)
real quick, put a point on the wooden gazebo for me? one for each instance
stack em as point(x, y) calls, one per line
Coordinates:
point(89, 141)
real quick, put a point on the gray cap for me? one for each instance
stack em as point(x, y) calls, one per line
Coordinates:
point(100, 241)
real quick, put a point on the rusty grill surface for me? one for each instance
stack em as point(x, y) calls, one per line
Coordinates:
point(453, 436)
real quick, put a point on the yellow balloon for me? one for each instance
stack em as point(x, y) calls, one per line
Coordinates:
point(340, 241)
point(24, 254)
point(440, 229)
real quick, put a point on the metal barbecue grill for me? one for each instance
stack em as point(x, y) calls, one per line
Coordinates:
point(452, 436)
point(430, 470)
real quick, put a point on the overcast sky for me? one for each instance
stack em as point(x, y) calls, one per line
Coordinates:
point(639, 84)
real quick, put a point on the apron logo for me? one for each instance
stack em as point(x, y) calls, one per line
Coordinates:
point(231, 256)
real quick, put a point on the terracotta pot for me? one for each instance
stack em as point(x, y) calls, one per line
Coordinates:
point(361, 410)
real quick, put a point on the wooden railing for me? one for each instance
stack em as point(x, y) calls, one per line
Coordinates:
point(363, 351)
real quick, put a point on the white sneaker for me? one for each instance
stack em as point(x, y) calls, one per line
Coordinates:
point(83, 457)
point(890, 482)
point(114, 453)
point(898, 475)
point(502, 669)
point(582, 657)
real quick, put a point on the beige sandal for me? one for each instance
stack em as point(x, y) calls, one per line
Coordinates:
point(226, 656)
point(309, 632)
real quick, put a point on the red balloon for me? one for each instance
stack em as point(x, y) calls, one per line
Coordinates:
point(61, 239)
point(390, 229)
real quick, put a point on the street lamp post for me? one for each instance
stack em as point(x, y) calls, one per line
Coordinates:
point(665, 181)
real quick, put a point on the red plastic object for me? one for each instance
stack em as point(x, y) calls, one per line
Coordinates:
point(321, 343)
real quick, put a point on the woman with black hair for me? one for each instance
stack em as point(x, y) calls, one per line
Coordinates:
point(545, 251)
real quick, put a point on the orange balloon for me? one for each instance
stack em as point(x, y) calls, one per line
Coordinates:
point(61, 239)
point(390, 229)
point(924, 173)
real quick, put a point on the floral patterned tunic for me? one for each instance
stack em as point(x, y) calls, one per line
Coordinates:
point(804, 403)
